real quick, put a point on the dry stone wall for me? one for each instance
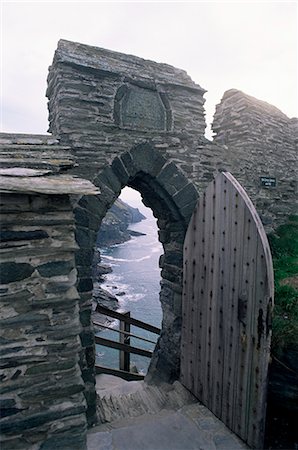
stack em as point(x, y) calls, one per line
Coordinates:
point(42, 386)
point(42, 392)
point(261, 147)
point(104, 103)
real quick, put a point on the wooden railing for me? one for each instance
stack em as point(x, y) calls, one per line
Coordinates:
point(123, 345)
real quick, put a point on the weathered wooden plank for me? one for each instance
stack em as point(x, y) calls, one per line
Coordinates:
point(187, 348)
point(124, 357)
point(125, 333)
point(221, 250)
point(124, 347)
point(246, 315)
point(261, 354)
point(129, 376)
point(208, 252)
point(233, 271)
point(198, 258)
point(228, 293)
point(207, 312)
point(130, 320)
point(257, 283)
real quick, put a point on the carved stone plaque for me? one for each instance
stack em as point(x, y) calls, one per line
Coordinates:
point(141, 108)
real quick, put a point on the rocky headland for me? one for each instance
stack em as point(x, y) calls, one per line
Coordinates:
point(114, 227)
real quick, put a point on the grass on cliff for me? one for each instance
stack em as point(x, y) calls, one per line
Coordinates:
point(284, 248)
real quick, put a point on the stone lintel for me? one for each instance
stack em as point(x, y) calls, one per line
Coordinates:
point(52, 184)
point(28, 139)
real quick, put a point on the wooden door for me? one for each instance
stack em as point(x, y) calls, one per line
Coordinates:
point(226, 313)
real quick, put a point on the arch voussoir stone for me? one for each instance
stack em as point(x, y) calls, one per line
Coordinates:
point(186, 200)
point(108, 179)
point(147, 159)
point(120, 171)
point(171, 178)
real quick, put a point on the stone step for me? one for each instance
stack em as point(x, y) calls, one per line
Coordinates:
point(138, 416)
point(119, 399)
point(192, 427)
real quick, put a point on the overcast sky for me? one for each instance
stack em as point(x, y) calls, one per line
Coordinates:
point(250, 46)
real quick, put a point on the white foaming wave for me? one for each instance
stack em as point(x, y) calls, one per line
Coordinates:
point(121, 287)
point(145, 244)
point(113, 290)
point(116, 290)
point(126, 299)
point(142, 259)
point(112, 278)
point(122, 303)
point(122, 244)
point(111, 258)
point(134, 297)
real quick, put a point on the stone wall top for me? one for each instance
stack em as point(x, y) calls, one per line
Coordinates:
point(235, 95)
point(102, 103)
point(34, 163)
point(240, 117)
point(294, 128)
point(33, 151)
point(27, 139)
point(51, 184)
point(74, 53)
point(260, 142)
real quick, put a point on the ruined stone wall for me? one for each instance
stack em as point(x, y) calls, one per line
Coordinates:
point(42, 402)
point(261, 148)
point(42, 390)
point(122, 121)
point(134, 122)
point(104, 103)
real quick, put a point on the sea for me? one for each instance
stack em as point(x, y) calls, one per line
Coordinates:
point(135, 281)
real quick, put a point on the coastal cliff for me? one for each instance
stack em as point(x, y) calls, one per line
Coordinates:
point(113, 230)
point(114, 227)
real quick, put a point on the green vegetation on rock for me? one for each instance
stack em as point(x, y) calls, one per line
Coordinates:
point(284, 248)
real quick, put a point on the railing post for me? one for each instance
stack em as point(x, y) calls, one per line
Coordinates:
point(124, 357)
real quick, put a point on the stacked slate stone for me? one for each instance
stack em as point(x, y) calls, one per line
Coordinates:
point(42, 392)
point(34, 151)
point(133, 122)
point(261, 146)
point(294, 128)
point(96, 96)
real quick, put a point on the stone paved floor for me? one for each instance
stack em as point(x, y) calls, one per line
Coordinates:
point(190, 427)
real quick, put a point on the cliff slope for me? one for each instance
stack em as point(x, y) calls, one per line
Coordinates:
point(114, 227)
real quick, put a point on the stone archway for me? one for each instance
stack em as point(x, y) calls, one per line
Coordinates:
point(172, 198)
